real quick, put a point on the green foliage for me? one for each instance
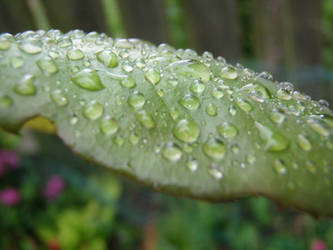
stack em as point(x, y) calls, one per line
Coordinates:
point(182, 123)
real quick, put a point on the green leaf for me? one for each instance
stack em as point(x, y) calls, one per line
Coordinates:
point(181, 123)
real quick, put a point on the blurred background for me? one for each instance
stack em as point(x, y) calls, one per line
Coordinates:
point(50, 199)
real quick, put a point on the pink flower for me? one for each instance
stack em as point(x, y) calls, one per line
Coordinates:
point(9, 196)
point(318, 245)
point(54, 186)
point(8, 159)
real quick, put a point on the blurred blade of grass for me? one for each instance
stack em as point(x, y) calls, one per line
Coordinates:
point(39, 14)
point(113, 18)
point(327, 31)
point(175, 20)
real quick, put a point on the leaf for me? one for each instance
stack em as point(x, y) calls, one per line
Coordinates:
point(181, 123)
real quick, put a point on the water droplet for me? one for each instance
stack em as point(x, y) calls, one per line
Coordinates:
point(108, 58)
point(257, 92)
point(127, 68)
point(145, 119)
point(17, 62)
point(195, 69)
point(119, 140)
point(304, 143)
point(4, 44)
point(211, 109)
point(87, 79)
point(75, 54)
point(186, 130)
point(73, 120)
point(197, 87)
point(277, 117)
point(251, 159)
point(171, 152)
point(244, 105)
point(123, 44)
point(232, 110)
point(26, 86)
point(48, 66)
point(93, 110)
point(217, 94)
point(152, 76)
point(214, 172)
point(192, 165)
point(136, 100)
point(273, 140)
point(284, 94)
point(109, 126)
point(30, 48)
point(134, 139)
point(214, 149)
point(311, 167)
point(160, 92)
point(5, 101)
point(227, 130)
point(59, 98)
point(128, 82)
point(229, 73)
point(174, 113)
point(280, 167)
point(317, 127)
point(190, 102)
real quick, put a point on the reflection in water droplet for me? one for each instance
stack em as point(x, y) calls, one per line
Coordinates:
point(174, 113)
point(227, 130)
point(195, 69)
point(109, 126)
point(30, 48)
point(192, 165)
point(93, 110)
point(108, 58)
point(87, 79)
point(190, 102)
point(273, 140)
point(48, 66)
point(229, 73)
point(211, 109)
point(284, 94)
point(145, 119)
point(197, 87)
point(214, 149)
point(26, 87)
point(75, 54)
point(304, 143)
point(134, 139)
point(17, 62)
point(244, 105)
point(317, 127)
point(217, 94)
point(186, 130)
point(277, 117)
point(136, 100)
point(119, 140)
point(59, 98)
point(128, 82)
point(152, 76)
point(214, 172)
point(280, 167)
point(171, 152)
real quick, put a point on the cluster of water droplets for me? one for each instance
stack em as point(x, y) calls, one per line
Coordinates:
point(201, 89)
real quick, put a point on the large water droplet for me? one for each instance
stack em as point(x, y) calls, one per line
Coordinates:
point(4, 44)
point(17, 62)
point(273, 140)
point(58, 97)
point(75, 54)
point(93, 110)
point(152, 76)
point(284, 94)
point(108, 58)
point(171, 152)
point(229, 73)
point(280, 167)
point(136, 100)
point(198, 70)
point(186, 130)
point(145, 119)
point(26, 86)
point(5, 101)
point(48, 66)
point(304, 143)
point(317, 127)
point(197, 87)
point(211, 109)
point(30, 48)
point(214, 149)
point(244, 105)
point(128, 82)
point(87, 79)
point(190, 102)
point(227, 130)
point(109, 126)
point(257, 92)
